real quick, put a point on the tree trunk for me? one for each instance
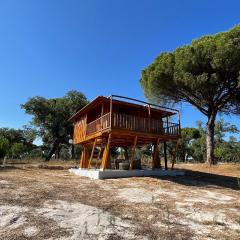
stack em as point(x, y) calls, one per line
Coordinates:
point(210, 139)
point(58, 152)
point(53, 150)
point(72, 152)
point(126, 153)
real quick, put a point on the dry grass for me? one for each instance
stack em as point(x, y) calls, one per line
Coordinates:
point(52, 204)
point(226, 169)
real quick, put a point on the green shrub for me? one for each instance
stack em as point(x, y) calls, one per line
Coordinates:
point(4, 147)
point(16, 150)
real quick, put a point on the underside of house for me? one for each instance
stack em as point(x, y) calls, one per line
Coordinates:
point(126, 123)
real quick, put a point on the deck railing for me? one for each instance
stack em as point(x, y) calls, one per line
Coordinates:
point(170, 128)
point(98, 124)
point(133, 123)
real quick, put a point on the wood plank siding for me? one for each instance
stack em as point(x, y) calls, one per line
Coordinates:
point(79, 130)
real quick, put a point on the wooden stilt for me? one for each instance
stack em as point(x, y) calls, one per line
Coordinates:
point(156, 159)
point(91, 156)
point(134, 151)
point(106, 153)
point(81, 159)
point(165, 155)
point(84, 157)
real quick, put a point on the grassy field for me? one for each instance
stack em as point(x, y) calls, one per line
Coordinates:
point(39, 203)
point(226, 169)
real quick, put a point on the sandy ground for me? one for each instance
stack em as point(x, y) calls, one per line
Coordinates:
point(54, 204)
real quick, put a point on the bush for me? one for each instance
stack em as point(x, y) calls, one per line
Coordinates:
point(16, 150)
point(34, 153)
point(4, 147)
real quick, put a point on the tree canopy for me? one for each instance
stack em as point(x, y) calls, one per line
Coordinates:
point(205, 74)
point(50, 117)
point(16, 142)
point(192, 147)
point(4, 146)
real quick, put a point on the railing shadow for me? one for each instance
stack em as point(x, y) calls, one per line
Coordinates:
point(202, 179)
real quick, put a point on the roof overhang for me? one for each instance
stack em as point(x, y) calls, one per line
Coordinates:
point(164, 111)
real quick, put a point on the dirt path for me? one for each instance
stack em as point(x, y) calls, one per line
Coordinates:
point(54, 204)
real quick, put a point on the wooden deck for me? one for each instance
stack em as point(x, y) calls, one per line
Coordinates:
point(132, 124)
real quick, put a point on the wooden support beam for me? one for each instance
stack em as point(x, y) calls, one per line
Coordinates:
point(106, 158)
point(149, 110)
point(81, 159)
point(91, 156)
point(85, 157)
point(165, 154)
point(133, 152)
point(179, 124)
point(156, 160)
point(102, 116)
point(167, 127)
point(111, 112)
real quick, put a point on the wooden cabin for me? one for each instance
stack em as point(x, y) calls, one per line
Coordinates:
point(118, 121)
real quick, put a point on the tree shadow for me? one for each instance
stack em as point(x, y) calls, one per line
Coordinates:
point(202, 179)
point(8, 168)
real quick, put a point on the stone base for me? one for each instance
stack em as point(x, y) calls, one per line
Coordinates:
point(108, 173)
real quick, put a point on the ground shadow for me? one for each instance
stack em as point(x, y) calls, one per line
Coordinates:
point(8, 168)
point(202, 179)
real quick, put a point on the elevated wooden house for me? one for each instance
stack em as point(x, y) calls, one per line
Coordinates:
point(118, 121)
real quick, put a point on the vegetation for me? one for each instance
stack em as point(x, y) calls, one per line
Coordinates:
point(205, 74)
point(14, 143)
point(50, 117)
point(4, 147)
point(192, 144)
point(50, 123)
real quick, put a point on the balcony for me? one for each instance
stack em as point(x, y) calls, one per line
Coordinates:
point(133, 124)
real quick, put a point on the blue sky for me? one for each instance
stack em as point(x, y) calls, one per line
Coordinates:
point(98, 47)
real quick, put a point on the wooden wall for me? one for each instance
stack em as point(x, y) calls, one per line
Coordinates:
point(79, 130)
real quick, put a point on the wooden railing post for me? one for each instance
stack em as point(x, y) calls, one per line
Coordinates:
point(102, 117)
point(167, 127)
point(111, 103)
point(179, 124)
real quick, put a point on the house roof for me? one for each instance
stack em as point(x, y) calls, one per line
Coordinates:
point(101, 99)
